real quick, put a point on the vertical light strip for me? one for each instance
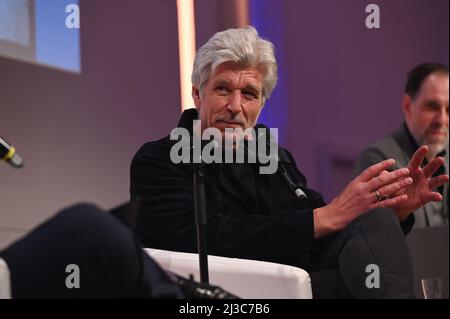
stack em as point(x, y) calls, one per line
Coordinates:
point(267, 16)
point(186, 47)
point(242, 13)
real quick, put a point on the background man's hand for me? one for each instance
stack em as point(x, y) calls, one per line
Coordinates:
point(420, 191)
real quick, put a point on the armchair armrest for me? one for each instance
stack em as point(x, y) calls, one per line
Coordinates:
point(242, 277)
point(5, 281)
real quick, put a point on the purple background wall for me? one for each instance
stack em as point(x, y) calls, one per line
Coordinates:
point(78, 133)
point(346, 81)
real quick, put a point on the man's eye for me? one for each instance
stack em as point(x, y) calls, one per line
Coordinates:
point(222, 89)
point(250, 94)
point(432, 106)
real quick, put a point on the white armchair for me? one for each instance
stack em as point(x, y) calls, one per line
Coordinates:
point(5, 283)
point(244, 278)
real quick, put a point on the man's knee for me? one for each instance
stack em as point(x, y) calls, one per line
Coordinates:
point(92, 227)
point(80, 215)
point(383, 219)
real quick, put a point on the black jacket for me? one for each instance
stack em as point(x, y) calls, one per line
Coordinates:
point(249, 215)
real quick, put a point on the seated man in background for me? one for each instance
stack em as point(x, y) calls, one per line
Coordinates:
point(257, 216)
point(425, 107)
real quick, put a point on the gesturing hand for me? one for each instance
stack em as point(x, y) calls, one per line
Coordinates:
point(420, 191)
point(369, 190)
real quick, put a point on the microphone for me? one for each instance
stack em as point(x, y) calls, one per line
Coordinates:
point(9, 155)
point(291, 180)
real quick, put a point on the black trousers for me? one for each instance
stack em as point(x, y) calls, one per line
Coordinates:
point(367, 259)
point(110, 261)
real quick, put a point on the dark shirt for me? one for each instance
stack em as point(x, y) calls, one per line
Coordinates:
point(249, 215)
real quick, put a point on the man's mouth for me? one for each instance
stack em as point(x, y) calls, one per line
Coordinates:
point(228, 124)
point(436, 132)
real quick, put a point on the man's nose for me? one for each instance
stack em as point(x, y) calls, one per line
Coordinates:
point(235, 103)
point(441, 116)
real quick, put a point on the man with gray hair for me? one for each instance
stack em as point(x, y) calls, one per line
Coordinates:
point(257, 216)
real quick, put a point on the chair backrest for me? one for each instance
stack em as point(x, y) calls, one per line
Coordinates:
point(5, 281)
point(242, 277)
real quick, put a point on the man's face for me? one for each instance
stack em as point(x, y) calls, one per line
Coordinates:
point(232, 98)
point(427, 114)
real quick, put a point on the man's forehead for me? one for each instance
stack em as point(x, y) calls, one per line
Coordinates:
point(248, 82)
point(435, 85)
point(226, 73)
point(436, 81)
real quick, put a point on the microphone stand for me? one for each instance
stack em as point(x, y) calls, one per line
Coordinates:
point(296, 187)
point(293, 183)
point(201, 219)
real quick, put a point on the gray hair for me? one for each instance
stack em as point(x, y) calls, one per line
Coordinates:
point(242, 46)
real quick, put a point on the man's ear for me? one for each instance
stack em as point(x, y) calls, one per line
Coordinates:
point(406, 105)
point(196, 97)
